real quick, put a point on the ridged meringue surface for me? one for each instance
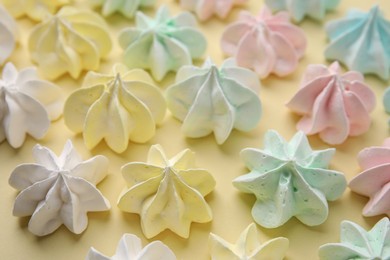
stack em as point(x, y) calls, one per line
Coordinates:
point(162, 44)
point(374, 181)
point(361, 42)
point(357, 243)
point(58, 190)
point(332, 104)
point(27, 105)
point(248, 247)
point(127, 8)
point(8, 34)
point(289, 179)
point(167, 193)
point(267, 43)
point(35, 9)
point(205, 9)
point(299, 9)
point(130, 248)
point(215, 100)
point(70, 41)
point(124, 105)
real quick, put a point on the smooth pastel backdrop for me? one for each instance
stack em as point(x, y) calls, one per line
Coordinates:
point(231, 208)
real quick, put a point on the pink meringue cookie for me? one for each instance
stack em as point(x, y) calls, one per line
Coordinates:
point(205, 9)
point(335, 106)
point(267, 43)
point(374, 181)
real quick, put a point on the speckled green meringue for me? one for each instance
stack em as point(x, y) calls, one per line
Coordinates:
point(289, 179)
point(210, 99)
point(359, 244)
point(248, 247)
point(298, 9)
point(167, 193)
point(162, 44)
point(386, 101)
point(127, 8)
point(118, 107)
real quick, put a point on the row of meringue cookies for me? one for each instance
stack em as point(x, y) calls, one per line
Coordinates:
point(356, 243)
point(170, 45)
point(288, 179)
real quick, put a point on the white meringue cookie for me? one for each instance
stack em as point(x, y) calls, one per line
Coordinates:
point(209, 99)
point(69, 42)
point(124, 105)
point(27, 104)
point(8, 34)
point(130, 248)
point(127, 8)
point(167, 193)
point(59, 190)
point(34, 9)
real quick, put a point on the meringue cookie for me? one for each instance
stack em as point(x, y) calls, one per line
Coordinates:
point(128, 8)
point(248, 247)
point(27, 105)
point(360, 41)
point(205, 9)
point(119, 107)
point(130, 248)
point(374, 181)
point(289, 179)
point(266, 43)
point(58, 190)
point(34, 9)
point(163, 44)
point(9, 35)
point(357, 243)
point(167, 194)
point(68, 42)
point(298, 9)
point(209, 99)
point(335, 106)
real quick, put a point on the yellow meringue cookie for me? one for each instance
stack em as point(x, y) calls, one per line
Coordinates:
point(69, 42)
point(167, 194)
point(248, 247)
point(119, 107)
point(34, 9)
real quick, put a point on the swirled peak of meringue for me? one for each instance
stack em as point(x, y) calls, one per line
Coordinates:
point(162, 44)
point(361, 42)
point(117, 107)
point(374, 181)
point(215, 100)
point(58, 190)
point(127, 8)
point(70, 41)
point(267, 43)
point(167, 193)
point(332, 104)
point(289, 179)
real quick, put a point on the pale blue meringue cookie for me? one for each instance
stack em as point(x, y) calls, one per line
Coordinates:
point(359, 244)
point(298, 9)
point(162, 44)
point(289, 179)
point(361, 41)
point(210, 99)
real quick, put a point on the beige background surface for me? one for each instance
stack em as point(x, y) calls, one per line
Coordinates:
point(231, 209)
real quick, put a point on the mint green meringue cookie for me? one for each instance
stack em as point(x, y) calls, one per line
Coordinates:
point(215, 100)
point(162, 44)
point(298, 9)
point(359, 244)
point(289, 179)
